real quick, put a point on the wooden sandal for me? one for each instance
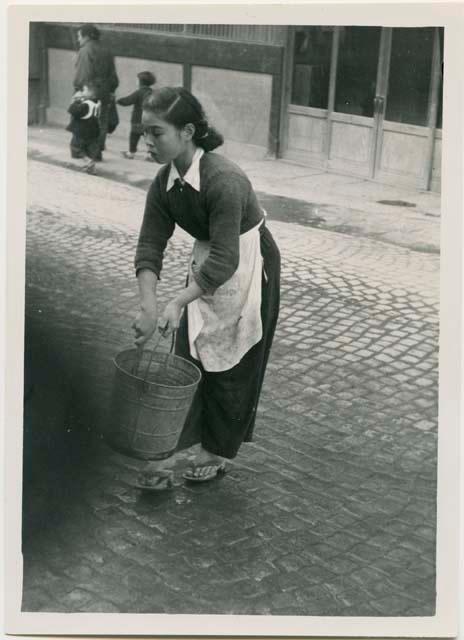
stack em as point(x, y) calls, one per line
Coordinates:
point(205, 471)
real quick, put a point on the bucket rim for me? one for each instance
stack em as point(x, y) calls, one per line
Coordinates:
point(159, 384)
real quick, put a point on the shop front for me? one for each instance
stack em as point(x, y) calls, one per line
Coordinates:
point(365, 101)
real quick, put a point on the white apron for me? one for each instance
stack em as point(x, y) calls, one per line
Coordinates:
point(222, 327)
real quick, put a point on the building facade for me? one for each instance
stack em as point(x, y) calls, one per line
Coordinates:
point(365, 101)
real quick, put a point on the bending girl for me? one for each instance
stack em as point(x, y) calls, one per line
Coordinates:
point(226, 315)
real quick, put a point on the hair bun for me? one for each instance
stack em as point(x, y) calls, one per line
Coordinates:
point(210, 140)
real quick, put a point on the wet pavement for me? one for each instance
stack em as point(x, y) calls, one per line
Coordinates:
point(331, 511)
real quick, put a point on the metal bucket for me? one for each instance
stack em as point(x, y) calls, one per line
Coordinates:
point(148, 411)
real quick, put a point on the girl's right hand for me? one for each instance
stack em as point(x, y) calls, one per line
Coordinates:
point(145, 324)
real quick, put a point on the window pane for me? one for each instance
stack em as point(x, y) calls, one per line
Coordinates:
point(357, 70)
point(410, 72)
point(311, 70)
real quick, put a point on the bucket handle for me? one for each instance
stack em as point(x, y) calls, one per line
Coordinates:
point(140, 353)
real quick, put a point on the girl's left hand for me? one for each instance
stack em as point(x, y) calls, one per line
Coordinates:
point(171, 317)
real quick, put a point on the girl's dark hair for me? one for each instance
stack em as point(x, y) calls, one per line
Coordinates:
point(179, 107)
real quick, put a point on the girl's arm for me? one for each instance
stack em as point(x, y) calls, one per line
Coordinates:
point(173, 310)
point(157, 228)
point(226, 196)
point(145, 323)
point(147, 281)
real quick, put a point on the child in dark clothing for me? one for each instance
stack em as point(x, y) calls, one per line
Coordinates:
point(135, 99)
point(84, 111)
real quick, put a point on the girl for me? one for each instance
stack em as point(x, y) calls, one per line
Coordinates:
point(226, 316)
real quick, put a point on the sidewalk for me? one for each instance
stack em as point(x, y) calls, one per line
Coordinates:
point(306, 196)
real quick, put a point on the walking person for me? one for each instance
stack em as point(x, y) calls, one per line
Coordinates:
point(226, 315)
point(85, 110)
point(146, 80)
point(95, 66)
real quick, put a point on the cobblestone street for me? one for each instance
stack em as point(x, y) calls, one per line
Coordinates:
point(330, 512)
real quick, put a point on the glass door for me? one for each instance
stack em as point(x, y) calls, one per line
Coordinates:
point(358, 99)
point(306, 97)
point(311, 66)
point(409, 138)
point(366, 101)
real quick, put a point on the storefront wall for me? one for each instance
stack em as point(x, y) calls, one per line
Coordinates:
point(366, 101)
point(237, 103)
point(61, 71)
point(238, 82)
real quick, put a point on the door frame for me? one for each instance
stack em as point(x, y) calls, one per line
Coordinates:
point(380, 100)
point(329, 115)
point(429, 133)
point(367, 168)
point(328, 118)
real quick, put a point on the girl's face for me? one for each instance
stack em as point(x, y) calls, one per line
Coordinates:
point(165, 142)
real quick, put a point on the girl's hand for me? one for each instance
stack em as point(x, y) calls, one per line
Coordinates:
point(145, 324)
point(170, 318)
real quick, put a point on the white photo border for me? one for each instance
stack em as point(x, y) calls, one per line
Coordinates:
point(444, 623)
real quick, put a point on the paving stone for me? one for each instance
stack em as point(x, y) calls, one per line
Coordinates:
point(393, 605)
point(332, 510)
point(35, 599)
point(77, 599)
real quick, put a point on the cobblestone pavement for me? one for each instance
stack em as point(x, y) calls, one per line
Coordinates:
point(331, 511)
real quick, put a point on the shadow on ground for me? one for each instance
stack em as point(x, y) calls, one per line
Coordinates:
point(58, 442)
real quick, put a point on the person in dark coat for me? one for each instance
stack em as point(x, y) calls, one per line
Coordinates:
point(225, 317)
point(84, 126)
point(135, 99)
point(95, 66)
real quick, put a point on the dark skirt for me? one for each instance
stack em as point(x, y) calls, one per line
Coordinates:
point(223, 411)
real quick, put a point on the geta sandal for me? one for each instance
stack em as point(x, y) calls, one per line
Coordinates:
point(204, 471)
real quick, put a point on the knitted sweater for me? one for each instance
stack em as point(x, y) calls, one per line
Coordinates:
point(225, 207)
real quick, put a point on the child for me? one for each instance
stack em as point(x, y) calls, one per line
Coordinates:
point(228, 335)
point(84, 111)
point(146, 81)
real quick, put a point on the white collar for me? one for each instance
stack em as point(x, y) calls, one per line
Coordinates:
point(192, 175)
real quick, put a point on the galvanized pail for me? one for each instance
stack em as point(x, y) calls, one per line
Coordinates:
point(148, 410)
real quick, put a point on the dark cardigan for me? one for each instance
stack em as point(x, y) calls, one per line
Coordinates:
point(225, 208)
